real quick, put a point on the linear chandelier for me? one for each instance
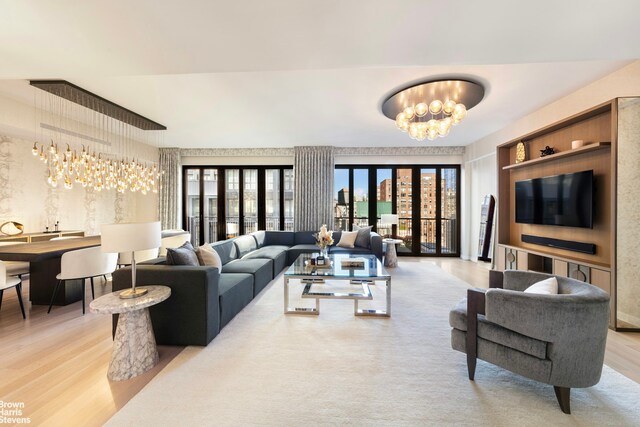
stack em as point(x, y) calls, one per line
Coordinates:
point(429, 110)
point(96, 143)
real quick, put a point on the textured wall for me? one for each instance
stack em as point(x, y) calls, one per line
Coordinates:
point(26, 197)
point(628, 239)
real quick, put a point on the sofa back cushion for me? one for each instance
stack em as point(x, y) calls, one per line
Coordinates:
point(226, 249)
point(281, 238)
point(259, 236)
point(245, 244)
point(304, 238)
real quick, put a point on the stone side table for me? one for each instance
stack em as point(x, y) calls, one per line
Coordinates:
point(134, 346)
point(390, 256)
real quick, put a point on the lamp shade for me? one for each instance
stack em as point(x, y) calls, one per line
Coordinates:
point(389, 219)
point(129, 237)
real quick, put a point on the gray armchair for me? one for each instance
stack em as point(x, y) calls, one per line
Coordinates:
point(555, 339)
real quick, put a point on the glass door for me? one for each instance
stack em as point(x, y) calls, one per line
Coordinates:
point(428, 220)
point(192, 204)
point(232, 203)
point(210, 205)
point(384, 201)
point(404, 208)
point(341, 199)
point(250, 201)
point(449, 223)
point(272, 199)
point(360, 197)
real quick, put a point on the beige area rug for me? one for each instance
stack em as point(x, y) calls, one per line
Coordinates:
point(266, 368)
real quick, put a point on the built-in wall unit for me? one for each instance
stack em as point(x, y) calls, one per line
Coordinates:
point(574, 212)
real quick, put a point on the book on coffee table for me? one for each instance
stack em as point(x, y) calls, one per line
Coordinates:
point(355, 263)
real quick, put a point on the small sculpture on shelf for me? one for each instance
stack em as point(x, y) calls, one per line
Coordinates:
point(547, 151)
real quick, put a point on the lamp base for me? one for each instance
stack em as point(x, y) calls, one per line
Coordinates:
point(133, 293)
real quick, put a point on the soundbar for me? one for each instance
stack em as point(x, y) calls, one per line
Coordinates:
point(585, 248)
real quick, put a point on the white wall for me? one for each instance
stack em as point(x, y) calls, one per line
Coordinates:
point(479, 159)
point(26, 197)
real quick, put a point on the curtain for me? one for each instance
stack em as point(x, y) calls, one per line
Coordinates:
point(313, 195)
point(169, 181)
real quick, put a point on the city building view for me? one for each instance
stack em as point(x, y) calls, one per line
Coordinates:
point(426, 197)
point(240, 202)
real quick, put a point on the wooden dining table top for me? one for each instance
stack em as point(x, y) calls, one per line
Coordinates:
point(39, 251)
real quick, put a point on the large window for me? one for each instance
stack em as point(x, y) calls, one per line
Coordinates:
point(225, 202)
point(425, 198)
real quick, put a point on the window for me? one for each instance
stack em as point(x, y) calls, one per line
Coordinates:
point(245, 199)
point(426, 199)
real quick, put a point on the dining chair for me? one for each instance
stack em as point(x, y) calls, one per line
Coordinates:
point(6, 282)
point(15, 268)
point(124, 258)
point(83, 264)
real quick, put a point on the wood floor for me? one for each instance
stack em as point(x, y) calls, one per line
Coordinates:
point(56, 364)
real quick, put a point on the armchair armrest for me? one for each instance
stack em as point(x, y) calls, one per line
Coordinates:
point(475, 306)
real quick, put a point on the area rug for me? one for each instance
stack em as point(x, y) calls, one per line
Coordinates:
point(266, 368)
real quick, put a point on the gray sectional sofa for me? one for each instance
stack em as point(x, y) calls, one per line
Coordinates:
point(203, 300)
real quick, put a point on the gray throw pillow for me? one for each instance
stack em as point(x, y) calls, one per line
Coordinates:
point(363, 239)
point(184, 255)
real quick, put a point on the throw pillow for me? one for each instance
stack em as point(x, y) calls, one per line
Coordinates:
point(184, 255)
point(209, 257)
point(347, 239)
point(546, 287)
point(363, 239)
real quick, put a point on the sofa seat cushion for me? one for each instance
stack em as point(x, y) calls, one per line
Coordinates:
point(294, 252)
point(277, 254)
point(355, 250)
point(235, 292)
point(497, 334)
point(260, 268)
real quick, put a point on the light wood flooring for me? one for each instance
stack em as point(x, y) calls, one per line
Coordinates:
point(56, 364)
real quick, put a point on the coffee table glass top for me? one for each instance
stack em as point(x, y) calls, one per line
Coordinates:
point(372, 267)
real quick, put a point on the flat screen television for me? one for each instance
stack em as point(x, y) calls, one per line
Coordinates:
point(563, 200)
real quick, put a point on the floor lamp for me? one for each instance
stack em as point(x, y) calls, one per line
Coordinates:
point(130, 237)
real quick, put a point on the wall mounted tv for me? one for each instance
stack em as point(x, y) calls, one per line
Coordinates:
point(564, 200)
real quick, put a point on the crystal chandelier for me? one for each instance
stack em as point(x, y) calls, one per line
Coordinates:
point(429, 110)
point(106, 159)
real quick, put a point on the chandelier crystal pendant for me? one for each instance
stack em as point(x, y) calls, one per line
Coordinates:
point(92, 142)
point(429, 110)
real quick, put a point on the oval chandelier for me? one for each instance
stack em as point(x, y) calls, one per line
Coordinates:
point(429, 110)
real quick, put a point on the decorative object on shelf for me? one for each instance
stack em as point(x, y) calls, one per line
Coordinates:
point(577, 143)
point(130, 237)
point(105, 159)
point(324, 239)
point(429, 110)
point(11, 228)
point(521, 152)
point(547, 151)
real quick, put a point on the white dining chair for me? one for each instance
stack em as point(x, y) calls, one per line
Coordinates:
point(7, 282)
point(83, 264)
point(172, 242)
point(15, 268)
point(124, 258)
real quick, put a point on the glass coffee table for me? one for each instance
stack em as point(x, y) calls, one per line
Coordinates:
point(358, 280)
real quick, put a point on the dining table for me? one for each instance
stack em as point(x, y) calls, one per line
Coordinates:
point(44, 265)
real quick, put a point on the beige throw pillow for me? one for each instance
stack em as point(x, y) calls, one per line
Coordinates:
point(348, 239)
point(208, 256)
point(546, 287)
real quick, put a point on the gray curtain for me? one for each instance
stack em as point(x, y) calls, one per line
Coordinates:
point(313, 195)
point(169, 181)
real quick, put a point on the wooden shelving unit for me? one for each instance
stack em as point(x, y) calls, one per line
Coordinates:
point(561, 155)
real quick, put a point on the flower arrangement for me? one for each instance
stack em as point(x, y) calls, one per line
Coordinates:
point(324, 237)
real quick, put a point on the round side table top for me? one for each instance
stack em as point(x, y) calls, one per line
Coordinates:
point(112, 303)
point(394, 241)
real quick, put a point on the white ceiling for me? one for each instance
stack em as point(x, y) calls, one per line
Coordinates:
point(298, 72)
